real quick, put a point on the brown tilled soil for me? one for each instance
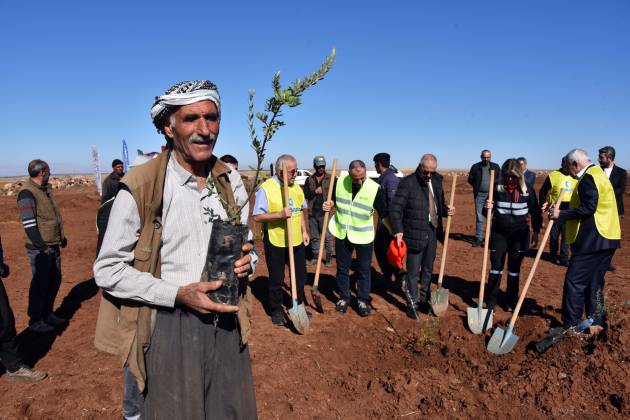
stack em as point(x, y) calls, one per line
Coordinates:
point(383, 366)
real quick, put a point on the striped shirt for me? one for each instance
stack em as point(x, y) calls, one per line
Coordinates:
point(187, 216)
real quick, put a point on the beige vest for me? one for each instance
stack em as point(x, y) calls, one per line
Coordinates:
point(124, 327)
point(49, 221)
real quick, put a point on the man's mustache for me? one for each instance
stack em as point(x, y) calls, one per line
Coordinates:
point(209, 140)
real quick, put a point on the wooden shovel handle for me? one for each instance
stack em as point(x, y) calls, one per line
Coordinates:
point(322, 238)
point(446, 234)
point(484, 265)
point(285, 181)
point(541, 248)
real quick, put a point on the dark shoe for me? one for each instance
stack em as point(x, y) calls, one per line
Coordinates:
point(563, 262)
point(413, 312)
point(55, 321)
point(363, 309)
point(477, 244)
point(611, 268)
point(309, 315)
point(341, 306)
point(328, 261)
point(311, 262)
point(25, 373)
point(41, 327)
point(277, 318)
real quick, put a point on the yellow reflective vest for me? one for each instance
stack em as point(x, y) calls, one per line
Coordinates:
point(354, 217)
point(606, 217)
point(558, 182)
point(277, 230)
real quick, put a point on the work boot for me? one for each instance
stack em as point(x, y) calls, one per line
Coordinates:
point(25, 373)
point(328, 261)
point(277, 318)
point(341, 306)
point(41, 327)
point(413, 311)
point(363, 309)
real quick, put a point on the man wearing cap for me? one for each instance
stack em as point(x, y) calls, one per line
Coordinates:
point(389, 184)
point(356, 197)
point(110, 184)
point(416, 215)
point(556, 181)
point(315, 189)
point(187, 354)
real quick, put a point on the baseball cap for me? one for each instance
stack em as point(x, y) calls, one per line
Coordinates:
point(319, 160)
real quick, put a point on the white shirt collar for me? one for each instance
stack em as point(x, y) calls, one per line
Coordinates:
point(579, 174)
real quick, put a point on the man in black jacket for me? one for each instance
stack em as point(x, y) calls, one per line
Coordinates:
point(617, 176)
point(9, 355)
point(416, 215)
point(479, 179)
point(110, 185)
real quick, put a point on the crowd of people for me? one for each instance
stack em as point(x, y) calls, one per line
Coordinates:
point(181, 351)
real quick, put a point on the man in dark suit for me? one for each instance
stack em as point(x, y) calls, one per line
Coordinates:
point(530, 177)
point(617, 175)
point(479, 179)
point(416, 215)
point(593, 231)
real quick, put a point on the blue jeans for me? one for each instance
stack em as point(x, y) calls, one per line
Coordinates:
point(132, 397)
point(344, 248)
point(480, 202)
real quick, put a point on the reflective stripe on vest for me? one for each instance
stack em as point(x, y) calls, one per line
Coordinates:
point(277, 230)
point(354, 217)
point(560, 181)
point(606, 217)
point(516, 209)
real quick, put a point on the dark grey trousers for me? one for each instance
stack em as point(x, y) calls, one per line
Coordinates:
point(46, 270)
point(196, 370)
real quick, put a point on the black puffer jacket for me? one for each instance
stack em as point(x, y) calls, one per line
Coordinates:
point(409, 211)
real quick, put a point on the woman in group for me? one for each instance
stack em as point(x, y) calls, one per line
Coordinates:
point(514, 212)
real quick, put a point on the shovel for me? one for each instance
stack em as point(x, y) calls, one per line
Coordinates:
point(317, 299)
point(501, 341)
point(480, 319)
point(439, 299)
point(297, 313)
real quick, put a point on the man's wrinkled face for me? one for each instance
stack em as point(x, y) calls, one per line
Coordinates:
point(357, 173)
point(574, 168)
point(118, 169)
point(604, 160)
point(291, 168)
point(194, 129)
point(428, 169)
point(485, 158)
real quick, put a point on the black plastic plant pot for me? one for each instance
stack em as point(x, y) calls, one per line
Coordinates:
point(226, 243)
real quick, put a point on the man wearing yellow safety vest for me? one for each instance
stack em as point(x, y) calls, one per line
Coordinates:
point(271, 211)
point(556, 181)
point(592, 227)
point(356, 198)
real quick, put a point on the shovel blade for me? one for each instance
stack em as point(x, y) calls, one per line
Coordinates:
point(299, 319)
point(317, 300)
point(502, 342)
point(439, 301)
point(479, 320)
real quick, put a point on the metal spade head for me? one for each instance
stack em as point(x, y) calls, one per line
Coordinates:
point(439, 301)
point(501, 341)
point(479, 320)
point(317, 300)
point(298, 317)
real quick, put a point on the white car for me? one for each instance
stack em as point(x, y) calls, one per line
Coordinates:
point(302, 175)
point(374, 175)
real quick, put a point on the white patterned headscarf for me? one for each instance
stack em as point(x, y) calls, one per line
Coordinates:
point(183, 93)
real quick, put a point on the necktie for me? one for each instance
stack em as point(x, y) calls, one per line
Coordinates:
point(432, 212)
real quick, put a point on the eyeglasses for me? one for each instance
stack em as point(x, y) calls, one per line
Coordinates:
point(428, 173)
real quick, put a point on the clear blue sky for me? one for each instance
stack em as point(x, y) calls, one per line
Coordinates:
point(532, 78)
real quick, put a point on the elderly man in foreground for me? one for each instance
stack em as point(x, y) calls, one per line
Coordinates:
point(183, 349)
point(593, 231)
